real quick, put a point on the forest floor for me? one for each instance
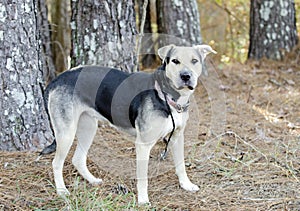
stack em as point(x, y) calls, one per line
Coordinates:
point(251, 161)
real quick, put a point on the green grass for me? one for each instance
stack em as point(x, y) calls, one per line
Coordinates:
point(86, 197)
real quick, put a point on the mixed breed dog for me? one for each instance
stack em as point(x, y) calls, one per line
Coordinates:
point(139, 103)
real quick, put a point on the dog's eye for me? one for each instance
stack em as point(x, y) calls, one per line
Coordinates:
point(175, 61)
point(194, 61)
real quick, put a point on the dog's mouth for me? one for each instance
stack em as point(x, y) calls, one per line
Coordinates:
point(186, 86)
point(190, 87)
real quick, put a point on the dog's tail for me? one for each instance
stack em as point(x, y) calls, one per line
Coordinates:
point(49, 149)
point(52, 147)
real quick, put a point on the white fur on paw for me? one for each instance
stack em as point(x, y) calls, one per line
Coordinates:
point(144, 201)
point(190, 186)
point(62, 192)
point(96, 181)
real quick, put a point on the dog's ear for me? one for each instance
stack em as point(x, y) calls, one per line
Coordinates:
point(205, 50)
point(164, 52)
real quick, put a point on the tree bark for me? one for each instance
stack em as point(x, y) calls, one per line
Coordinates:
point(103, 33)
point(61, 32)
point(181, 19)
point(272, 28)
point(24, 123)
point(45, 40)
point(147, 56)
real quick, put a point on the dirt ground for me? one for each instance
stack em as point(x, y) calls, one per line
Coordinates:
point(242, 149)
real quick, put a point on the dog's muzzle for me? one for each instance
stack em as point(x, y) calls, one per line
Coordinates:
point(186, 80)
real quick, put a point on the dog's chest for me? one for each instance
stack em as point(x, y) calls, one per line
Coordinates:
point(166, 126)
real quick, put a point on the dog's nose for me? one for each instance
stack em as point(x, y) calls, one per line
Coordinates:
point(185, 76)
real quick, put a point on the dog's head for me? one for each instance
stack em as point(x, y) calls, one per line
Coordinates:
point(184, 64)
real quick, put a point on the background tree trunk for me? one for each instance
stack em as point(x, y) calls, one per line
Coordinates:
point(147, 56)
point(181, 19)
point(272, 28)
point(24, 123)
point(60, 33)
point(103, 33)
point(44, 32)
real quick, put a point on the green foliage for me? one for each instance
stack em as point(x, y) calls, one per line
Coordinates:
point(297, 7)
point(225, 26)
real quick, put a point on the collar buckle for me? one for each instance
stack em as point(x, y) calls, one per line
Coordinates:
point(179, 108)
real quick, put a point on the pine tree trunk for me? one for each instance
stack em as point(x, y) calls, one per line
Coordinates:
point(147, 51)
point(272, 28)
point(61, 32)
point(44, 32)
point(103, 33)
point(181, 19)
point(24, 123)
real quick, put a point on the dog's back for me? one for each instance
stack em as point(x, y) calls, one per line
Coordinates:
point(110, 92)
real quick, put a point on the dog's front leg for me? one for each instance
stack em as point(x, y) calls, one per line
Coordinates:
point(142, 158)
point(177, 146)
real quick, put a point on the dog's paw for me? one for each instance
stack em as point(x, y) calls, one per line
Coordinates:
point(95, 181)
point(62, 192)
point(144, 201)
point(189, 186)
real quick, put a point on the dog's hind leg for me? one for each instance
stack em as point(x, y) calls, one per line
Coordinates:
point(64, 119)
point(86, 130)
point(64, 134)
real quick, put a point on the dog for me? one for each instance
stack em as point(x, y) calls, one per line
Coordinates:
point(150, 106)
